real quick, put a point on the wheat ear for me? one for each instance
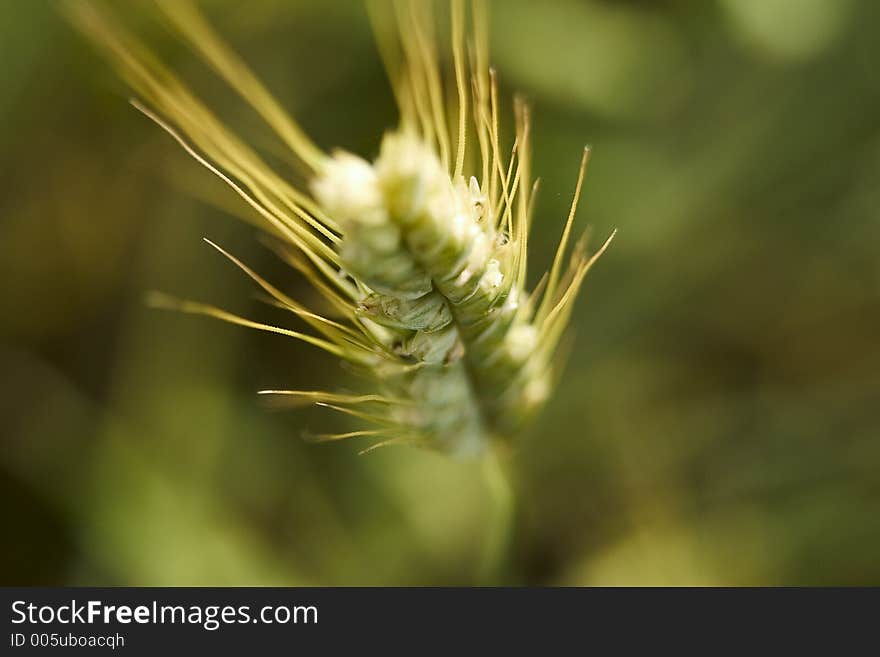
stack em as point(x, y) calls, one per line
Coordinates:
point(421, 251)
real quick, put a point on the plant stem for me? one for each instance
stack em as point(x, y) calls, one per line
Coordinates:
point(499, 532)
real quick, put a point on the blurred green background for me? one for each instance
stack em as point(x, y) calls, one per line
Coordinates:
point(719, 419)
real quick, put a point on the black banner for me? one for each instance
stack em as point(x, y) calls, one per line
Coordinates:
point(144, 620)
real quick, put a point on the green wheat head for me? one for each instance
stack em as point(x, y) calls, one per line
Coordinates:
point(422, 252)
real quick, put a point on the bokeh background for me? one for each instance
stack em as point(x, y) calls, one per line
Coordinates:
point(719, 419)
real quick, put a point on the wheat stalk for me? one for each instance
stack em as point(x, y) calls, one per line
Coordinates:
point(423, 251)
